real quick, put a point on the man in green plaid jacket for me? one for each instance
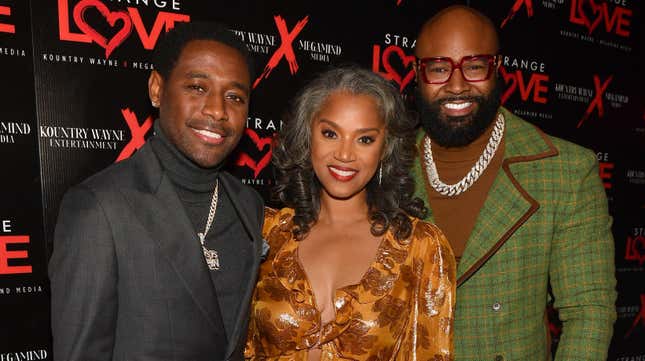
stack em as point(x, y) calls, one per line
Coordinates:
point(522, 210)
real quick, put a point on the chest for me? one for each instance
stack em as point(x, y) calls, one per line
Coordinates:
point(376, 308)
point(332, 259)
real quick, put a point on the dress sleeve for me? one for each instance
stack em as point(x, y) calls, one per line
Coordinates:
point(271, 219)
point(429, 334)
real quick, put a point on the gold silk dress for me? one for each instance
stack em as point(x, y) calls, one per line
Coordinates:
point(402, 308)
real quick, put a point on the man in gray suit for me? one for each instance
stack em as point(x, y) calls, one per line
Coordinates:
point(156, 257)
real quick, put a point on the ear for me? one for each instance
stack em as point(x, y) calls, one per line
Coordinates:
point(155, 88)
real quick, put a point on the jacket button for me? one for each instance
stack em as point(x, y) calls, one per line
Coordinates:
point(499, 358)
point(496, 307)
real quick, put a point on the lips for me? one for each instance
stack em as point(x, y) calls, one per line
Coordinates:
point(210, 136)
point(343, 174)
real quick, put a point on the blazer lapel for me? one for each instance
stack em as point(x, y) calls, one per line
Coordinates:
point(508, 204)
point(160, 211)
point(248, 284)
point(506, 208)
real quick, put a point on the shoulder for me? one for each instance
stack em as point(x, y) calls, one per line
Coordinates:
point(282, 218)
point(424, 230)
point(427, 238)
point(111, 177)
point(128, 173)
point(82, 217)
point(98, 188)
point(530, 138)
point(100, 193)
point(550, 158)
point(278, 224)
point(573, 154)
point(572, 163)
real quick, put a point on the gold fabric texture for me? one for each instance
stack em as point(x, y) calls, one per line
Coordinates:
point(402, 309)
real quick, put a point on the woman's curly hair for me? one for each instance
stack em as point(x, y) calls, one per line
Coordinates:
point(297, 186)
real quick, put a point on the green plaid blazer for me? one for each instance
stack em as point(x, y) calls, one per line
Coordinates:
point(544, 221)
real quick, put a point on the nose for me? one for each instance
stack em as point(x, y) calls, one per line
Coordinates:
point(345, 151)
point(457, 84)
point(215, 107)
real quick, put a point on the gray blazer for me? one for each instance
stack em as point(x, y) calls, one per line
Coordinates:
point(128, 278)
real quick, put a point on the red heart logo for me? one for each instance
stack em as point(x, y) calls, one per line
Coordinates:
point(245, 160)
point(111, 16)
point(511, 83)
point(597, 11)
point(392, 73)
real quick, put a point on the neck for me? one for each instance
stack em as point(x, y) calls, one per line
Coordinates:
point(182, 171)
point(343, 211)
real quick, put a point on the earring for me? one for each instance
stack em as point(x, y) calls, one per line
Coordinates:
point(380, 174)
point(154, 104)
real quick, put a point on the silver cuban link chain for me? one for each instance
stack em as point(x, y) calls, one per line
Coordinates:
point(475, 172)
point(211, 256)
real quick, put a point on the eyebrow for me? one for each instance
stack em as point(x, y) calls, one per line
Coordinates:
point(360, 130)
point(236, 84)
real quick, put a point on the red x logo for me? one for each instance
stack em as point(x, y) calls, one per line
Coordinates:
point(138, 133)
point(516, 7)
point(285, 50)
point(639, 318)
point(597, 100)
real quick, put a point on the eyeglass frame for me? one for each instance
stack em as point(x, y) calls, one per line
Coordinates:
point(421, 66)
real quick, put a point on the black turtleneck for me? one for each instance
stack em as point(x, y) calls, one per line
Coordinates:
point(194, 186)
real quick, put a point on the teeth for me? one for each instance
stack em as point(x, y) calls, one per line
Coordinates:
point(457, 106)
point(342, 173)
point(208, 133)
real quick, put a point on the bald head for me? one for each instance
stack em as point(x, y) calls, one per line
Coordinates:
point(457, 28)
point(458, 110)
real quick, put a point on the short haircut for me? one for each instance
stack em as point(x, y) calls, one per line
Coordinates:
point(172, 43)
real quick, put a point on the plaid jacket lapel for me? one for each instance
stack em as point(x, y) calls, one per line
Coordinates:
point(504, 210)
point(508, 204)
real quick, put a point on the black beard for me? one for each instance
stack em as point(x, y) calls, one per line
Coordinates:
point(443, 129)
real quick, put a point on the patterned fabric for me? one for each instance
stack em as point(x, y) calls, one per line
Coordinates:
point(402, 309)
point(544, 221)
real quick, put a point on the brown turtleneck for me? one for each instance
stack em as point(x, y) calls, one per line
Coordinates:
point(456, 215)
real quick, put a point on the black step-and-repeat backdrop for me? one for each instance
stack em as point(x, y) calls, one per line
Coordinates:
point(73, 97)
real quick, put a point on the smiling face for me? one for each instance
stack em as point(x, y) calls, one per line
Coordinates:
point(347, 141)
point(203, 104)
point(457, 112)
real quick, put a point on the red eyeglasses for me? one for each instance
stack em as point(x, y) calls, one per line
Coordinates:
point(474, 68)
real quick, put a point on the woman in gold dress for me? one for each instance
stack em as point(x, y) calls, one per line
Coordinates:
point(352, 273)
